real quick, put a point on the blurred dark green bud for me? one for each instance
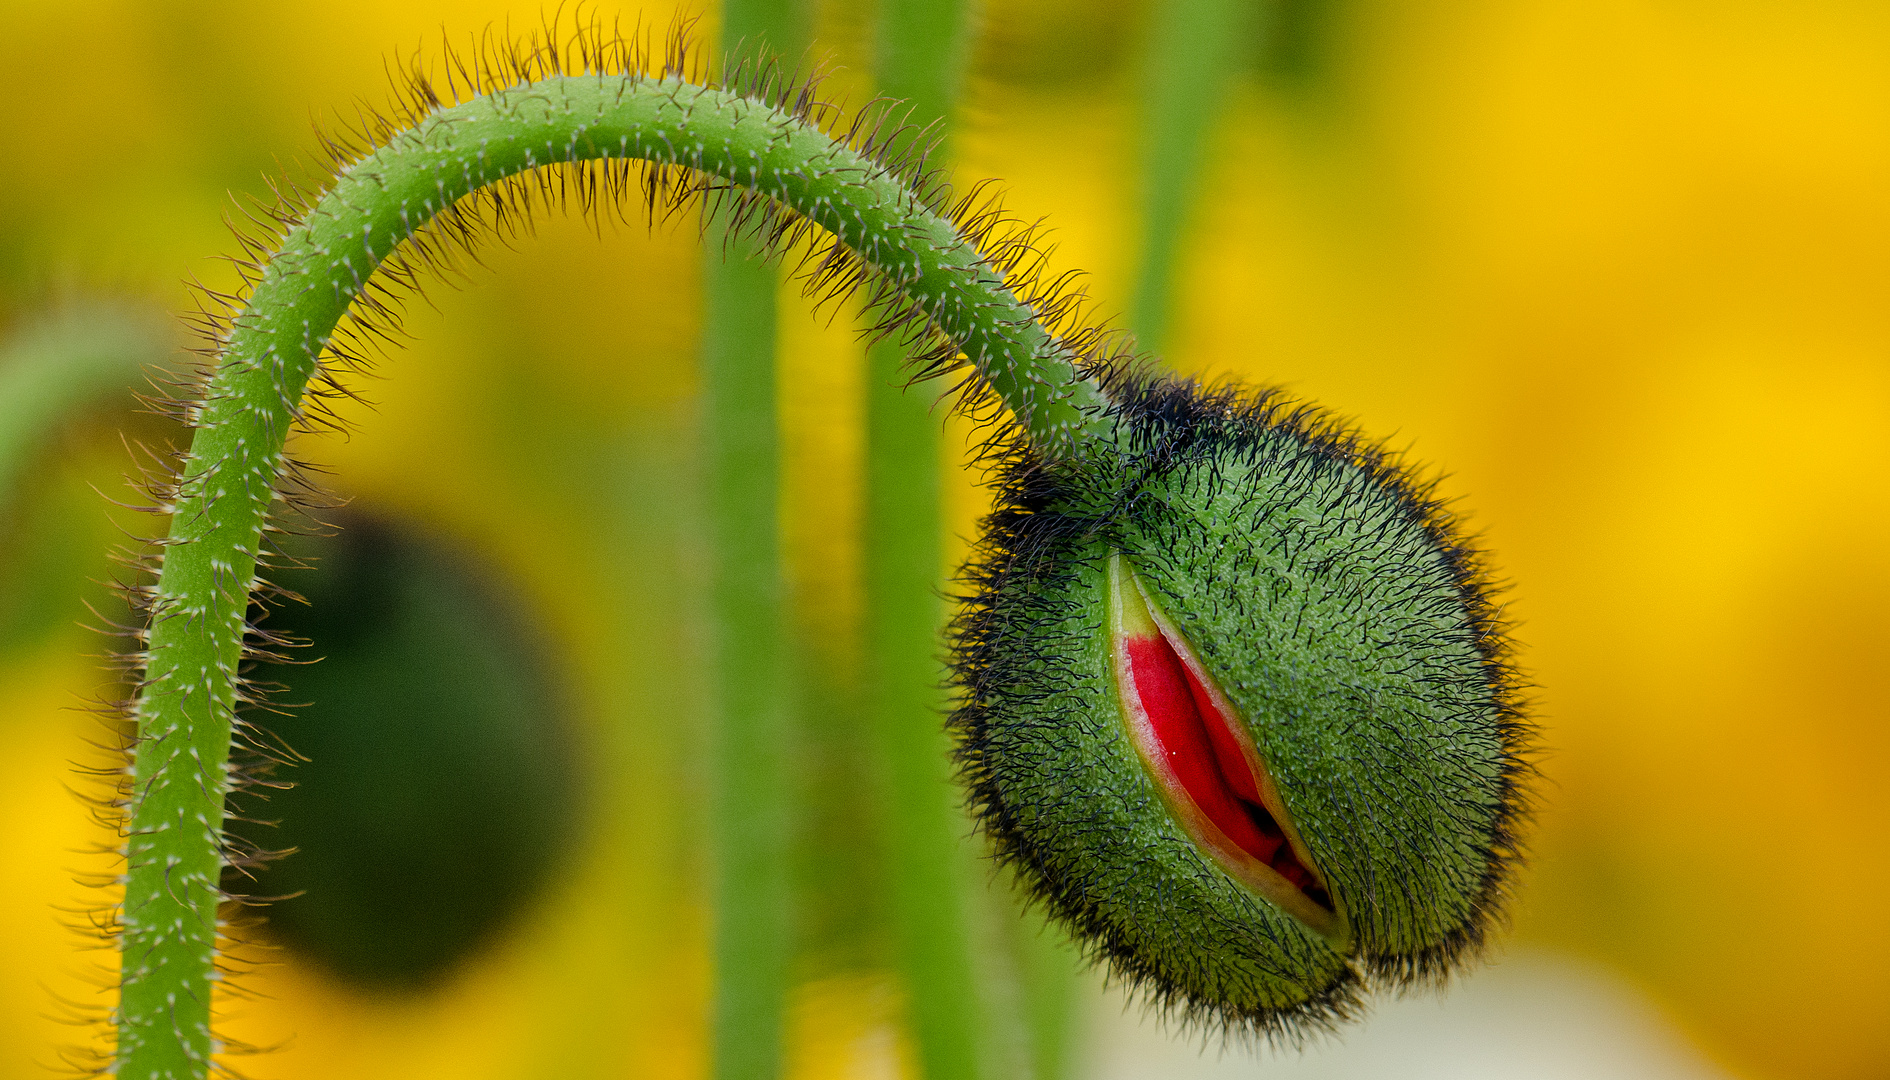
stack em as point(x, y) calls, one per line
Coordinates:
point(434, 787)
point(1236, 705)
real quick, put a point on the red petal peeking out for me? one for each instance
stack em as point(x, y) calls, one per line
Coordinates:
point(1192, 743)
point(1207, 760)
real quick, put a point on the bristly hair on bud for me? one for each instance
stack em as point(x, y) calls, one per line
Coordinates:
point(1237, 705)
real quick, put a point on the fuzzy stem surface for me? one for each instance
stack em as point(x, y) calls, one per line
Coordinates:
point(186, 708)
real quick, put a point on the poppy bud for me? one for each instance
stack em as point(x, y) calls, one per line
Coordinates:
point(1236, 705)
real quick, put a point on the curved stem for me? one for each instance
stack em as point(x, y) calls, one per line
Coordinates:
point(185, 710)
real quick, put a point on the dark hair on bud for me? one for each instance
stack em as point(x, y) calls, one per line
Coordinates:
point(1196, 467)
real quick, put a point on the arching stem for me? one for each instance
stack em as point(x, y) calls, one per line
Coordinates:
point(188, 697)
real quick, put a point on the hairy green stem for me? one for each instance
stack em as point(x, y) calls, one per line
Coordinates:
point(190, 689)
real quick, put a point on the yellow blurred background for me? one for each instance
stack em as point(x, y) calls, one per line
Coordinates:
point(1620, 269)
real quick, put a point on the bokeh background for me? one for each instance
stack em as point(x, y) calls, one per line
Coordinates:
point(1620, 268)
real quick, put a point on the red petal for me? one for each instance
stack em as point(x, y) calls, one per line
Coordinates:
point(1161, 682)
point(1227, 752)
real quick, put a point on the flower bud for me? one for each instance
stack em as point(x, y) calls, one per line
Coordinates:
point(1237, 707)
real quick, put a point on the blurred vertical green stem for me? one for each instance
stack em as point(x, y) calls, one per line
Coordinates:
point(59, 362)
point(82, 356)
point(931, 868)
point(1193, 45)
point(748, 681)
point(750, 749)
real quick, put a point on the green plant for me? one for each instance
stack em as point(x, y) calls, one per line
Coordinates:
point(1103, 464)
point(62, 365)
point(426, 775)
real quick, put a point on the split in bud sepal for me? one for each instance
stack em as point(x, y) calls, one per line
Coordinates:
point(1238, 708)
